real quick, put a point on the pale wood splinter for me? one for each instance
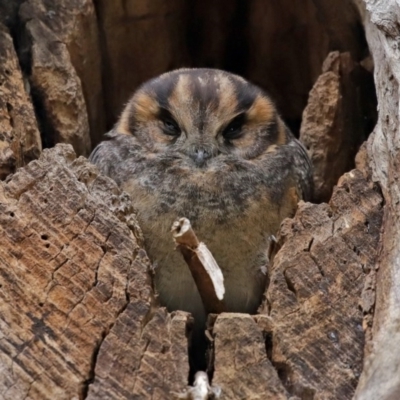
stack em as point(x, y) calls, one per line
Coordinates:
point(201, 389)
point(203, 267)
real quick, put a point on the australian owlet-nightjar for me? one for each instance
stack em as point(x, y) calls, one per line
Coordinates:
point(209, 146)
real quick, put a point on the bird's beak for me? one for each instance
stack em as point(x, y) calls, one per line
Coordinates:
point(200, 156)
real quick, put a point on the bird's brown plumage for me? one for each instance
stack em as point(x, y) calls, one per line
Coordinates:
point(209, 146)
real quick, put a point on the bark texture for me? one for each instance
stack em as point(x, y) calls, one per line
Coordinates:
point(87, 325)
point(60, 50)
point(76, 296)
point(381, 374)
point(316, 283)
point(336, 120)
point(19, 135)
point(241, 367)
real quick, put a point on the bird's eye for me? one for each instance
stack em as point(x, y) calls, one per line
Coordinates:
point(234, 128)
point(171, 127)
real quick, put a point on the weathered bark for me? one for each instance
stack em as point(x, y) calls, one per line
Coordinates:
point(60, 50)
point(19, 135)
point(241, 366)
point(381, 374)
point(336, 120)
point(316, 283)
point(81, 284)
point(76, 298)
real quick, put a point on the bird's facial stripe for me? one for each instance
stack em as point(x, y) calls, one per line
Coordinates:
point(261, 111)
point(180, 102)
point(245, 97)
point(205, 93)
point(145, 104)
point(164, 87)
point(261, 114)
point(144, 108)
point(181, 93)
point(226, 96)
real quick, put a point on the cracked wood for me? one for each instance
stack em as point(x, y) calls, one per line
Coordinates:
point(316, 285)
point(76, 304)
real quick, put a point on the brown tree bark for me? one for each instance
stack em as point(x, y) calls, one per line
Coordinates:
point(381, 374)
point(20, 140)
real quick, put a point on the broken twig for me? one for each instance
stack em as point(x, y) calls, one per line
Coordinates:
point(205, 270)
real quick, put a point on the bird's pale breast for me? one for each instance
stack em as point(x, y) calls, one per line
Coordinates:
point(233, 211)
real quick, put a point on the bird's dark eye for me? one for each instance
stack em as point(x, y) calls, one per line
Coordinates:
point(171, 127)
point(234, 128)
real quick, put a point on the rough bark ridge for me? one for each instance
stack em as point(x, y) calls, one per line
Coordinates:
point(336, 120)
point(381, 374)
point(19, 135)
point(76, 297)
point(242, 369)
point(316, 283)
point(59, 49)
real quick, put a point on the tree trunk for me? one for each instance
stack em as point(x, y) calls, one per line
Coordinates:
point(381, 374)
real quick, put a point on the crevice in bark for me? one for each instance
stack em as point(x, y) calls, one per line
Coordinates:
point(296, 390)
point(289, 283)
point(93, 361)
point(269, 343)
